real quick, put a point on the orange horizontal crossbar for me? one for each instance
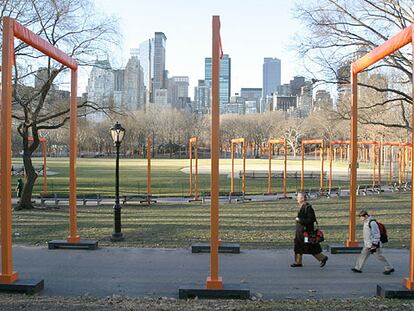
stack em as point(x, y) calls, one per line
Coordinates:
point(390, 46)
point(347, 142)
point(193, 139)
point(368, 142)
point(276, 141)
point(237, 141)
point(43, 46)
point(340, 142)
point(312, 141)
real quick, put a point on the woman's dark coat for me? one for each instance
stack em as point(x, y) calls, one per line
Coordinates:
point(306, 221)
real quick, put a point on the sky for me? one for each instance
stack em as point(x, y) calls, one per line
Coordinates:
point(250, 31)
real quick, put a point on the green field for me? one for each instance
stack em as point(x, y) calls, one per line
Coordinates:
point(253, 225)
point(96, 176)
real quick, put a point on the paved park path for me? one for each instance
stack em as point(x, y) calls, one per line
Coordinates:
point(138, 272)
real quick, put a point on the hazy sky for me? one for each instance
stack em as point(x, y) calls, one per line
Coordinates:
point(250, 31)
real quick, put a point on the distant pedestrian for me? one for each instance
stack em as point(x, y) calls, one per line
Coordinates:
point(19, 187)
point(372, 244)
point(304, 227)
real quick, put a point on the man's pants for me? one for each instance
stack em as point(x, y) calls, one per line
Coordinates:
point(365, 254)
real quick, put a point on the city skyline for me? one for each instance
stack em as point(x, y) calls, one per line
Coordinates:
point(187, 27)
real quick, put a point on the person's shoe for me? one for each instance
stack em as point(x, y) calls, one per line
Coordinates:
point(323, 262)
point(388, 272)
point(296, 265)
point(356, 270)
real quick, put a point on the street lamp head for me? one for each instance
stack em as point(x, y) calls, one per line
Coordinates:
point(117, 133)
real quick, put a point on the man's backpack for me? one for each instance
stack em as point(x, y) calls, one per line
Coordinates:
point(382, 230)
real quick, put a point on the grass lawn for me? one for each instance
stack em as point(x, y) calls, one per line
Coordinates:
point(253, 225)
point(97, 176)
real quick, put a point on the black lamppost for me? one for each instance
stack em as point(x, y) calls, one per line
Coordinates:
point(117, 133)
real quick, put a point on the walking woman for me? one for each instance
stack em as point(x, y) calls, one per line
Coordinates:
point(305, 225)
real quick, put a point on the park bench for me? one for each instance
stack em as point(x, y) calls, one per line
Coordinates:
point(395, 187)
point(96, 197)
point(329, 193)
point(238, 196)
point(369, 188)
point(313, 192)
point(141, 198)
point(55, 199)
point(401, 186)
point(206, 195)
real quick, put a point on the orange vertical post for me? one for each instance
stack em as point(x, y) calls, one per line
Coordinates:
point(196, 169)
point(244, 169)
point(351, 241)
point(7, 275)
point(330, 167)
point(190, 150)
point(234, 142)
point(284, 168)
point(379, 165)
point(321, 186)
point(214, 281)
point(374, 162)
point(269, 172)
point(44, 167)
point(391, 164)
point(409, 282)
point(73, 236)
point(400, 165)
point(232, 169)
point(302, 175)
point(149, 146)
point(194, 141)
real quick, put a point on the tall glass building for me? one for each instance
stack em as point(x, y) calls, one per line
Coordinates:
point(159, 61)
point(225, 79)
point(271, 76)
point(146, 59)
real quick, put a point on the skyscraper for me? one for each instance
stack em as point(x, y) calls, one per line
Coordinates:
point(100, 87)
point(252, 95)
point(118, 86)
point(271, 75)
point(177, 90)
point(159, 61)
point(225, 79)
point(146, 59)
point(133, 97)
point(202, 97)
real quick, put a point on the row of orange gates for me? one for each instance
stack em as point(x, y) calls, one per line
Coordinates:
point(375, 152)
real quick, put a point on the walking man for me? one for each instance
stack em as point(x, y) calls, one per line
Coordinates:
point(372, 244)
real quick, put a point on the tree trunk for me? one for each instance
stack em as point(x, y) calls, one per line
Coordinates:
point(31, 176)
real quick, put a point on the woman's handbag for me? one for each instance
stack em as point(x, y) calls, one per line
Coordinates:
point(316, 236)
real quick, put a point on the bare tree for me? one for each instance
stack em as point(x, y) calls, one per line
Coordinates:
point(74, 27)
point(293, 132)
point(339, 31)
